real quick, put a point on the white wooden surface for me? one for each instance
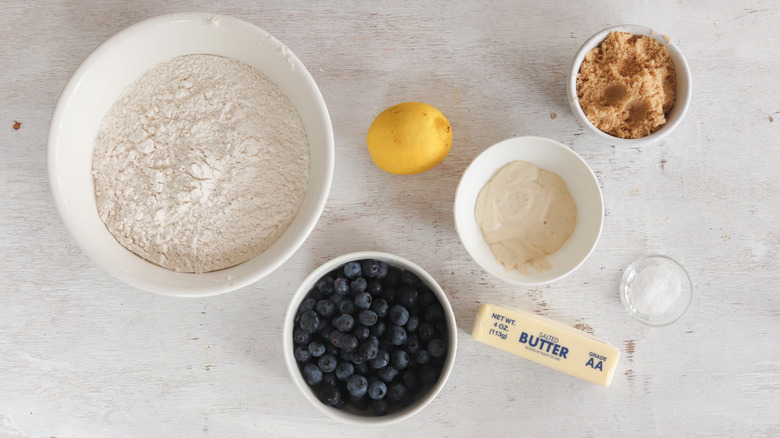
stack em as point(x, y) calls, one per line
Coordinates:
point(83, 355)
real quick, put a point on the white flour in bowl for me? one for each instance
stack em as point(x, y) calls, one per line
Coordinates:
point(201, 164)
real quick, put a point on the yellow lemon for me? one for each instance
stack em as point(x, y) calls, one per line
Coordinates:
point(408, 138)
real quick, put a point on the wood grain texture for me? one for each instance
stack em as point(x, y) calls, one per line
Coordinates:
point(85, 355)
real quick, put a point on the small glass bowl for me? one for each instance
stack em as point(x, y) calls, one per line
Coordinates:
point(656, 290)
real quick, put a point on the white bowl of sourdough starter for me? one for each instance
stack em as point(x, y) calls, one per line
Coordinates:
point(545, 154)
point(96, 86)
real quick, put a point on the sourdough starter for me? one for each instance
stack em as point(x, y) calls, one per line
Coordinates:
point(201, 164)
point(525, 213)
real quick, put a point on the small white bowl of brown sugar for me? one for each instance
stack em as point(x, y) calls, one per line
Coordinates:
point(190, 154)
point(629, 85)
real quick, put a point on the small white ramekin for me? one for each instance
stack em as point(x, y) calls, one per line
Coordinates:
point(683, 95)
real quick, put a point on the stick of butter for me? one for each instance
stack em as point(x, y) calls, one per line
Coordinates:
point(546, 342)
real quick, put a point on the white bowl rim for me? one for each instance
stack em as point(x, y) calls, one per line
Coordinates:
point(458, 199)
point(681, 69)
point(292, 365)
point(223, 281)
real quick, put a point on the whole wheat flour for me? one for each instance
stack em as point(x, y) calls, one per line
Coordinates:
point(201, 164)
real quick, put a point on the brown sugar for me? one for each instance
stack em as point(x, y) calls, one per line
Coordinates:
point(627, 85)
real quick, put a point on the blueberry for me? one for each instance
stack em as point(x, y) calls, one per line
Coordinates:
point(377, 390)
point(349, 343)
point(335, 338)
point(352, 269)
point(341, 286)
point(325, 334)
point(336, 299)
point(354, 358)
point(301, 353)
point(312, 374)
point(325, 308)
point(411, 380)
point(437, 347)
point(301, 337)
point(361, 332)
point(367, 317)
point(309, 321)
point(380, 407)
point(422, 357)
point(379, 328)
point(398, 315)
point(434, 313)
point(327, 363)
point(382, 270)
point(363, 300)
point(374, 286)
point(344, 322)
point(330, 395)
point(347, 306)
point(387, 374)
point(329, 379)
point(412, 324)
point(325, 285)
point(381, 360)
point(408, 296)
point(369, 348)
point(380, 306)
point(307, 304)
point(341, 404)
point(398, 392)
point(370, 268)
point(361, 368)
point(408, 278)
point(426, 331)
point(357, 385)
point(400, 359)
point(396, 335)
point(344, 370)
point(316, 348)
point(359, 284)
point(413, 343)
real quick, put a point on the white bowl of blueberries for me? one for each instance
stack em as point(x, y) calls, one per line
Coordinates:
point(370, 338)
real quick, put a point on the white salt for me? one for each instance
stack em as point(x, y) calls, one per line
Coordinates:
point(654, 290)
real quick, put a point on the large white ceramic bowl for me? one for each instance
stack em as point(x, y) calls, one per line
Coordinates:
point(350, 415)
point(95, 87)
point(683, 95)
point(545, 154)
